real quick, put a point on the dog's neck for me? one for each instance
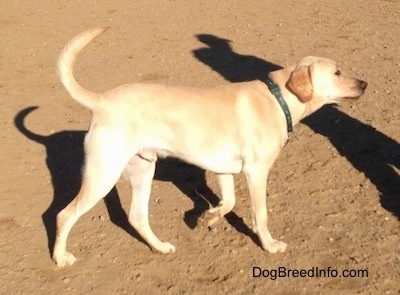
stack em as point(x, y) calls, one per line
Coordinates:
point(298, 109)
point(275, 90)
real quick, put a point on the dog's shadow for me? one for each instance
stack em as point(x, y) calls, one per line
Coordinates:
point(65, 159)
point(370, 151)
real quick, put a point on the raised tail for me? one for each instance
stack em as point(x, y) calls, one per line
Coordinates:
point(66, 63)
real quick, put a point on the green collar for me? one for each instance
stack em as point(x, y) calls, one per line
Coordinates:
point(277, 93)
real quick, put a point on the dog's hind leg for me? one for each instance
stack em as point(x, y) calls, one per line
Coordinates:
point(106, 156)
point(227, 188)
point(140, 171)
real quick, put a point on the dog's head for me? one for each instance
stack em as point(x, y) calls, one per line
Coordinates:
point(322, 79)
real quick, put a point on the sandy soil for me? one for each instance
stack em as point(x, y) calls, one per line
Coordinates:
point(333, 193)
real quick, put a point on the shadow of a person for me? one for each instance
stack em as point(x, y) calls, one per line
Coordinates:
point(232, 66)
point(368, 150)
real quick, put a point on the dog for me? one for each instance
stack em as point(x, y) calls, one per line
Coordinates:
point(239, 127)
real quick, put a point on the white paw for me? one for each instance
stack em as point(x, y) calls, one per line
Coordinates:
point(209, 218)
point(275, 247)
point(63, 259)
point(213, 211)
point(164, 248)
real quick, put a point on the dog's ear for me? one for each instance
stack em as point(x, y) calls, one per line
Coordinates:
point(300, 83)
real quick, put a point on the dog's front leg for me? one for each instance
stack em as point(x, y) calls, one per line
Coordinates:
point(140, 172)
point(226, 204)
point(256, 178)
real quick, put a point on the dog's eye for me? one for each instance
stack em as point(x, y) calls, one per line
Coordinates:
point(338, 73)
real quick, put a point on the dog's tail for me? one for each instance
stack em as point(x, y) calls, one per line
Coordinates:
point(66, 63)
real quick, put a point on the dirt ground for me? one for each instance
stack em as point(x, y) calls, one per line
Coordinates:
point(333, 194)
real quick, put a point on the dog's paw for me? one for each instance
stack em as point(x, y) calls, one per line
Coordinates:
point(209, 218)
point(164, 248)
point(64, 259)
point(275, 247)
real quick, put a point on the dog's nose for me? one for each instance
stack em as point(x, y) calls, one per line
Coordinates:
point(363, 84)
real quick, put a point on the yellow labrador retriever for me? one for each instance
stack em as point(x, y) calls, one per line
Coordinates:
point(238, 127)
